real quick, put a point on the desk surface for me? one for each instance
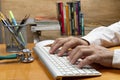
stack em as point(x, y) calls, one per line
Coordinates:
point(12, 70)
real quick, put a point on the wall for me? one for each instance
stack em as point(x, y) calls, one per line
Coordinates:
point(96, 12)
point(101, 12)
point(1, 40)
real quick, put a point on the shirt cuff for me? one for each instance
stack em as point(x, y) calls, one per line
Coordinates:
point(116, 59)
point(92, 40)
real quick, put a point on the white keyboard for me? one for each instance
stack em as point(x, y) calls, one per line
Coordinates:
point(60, 67)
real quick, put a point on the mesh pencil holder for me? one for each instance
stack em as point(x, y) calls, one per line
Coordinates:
point(15, 37)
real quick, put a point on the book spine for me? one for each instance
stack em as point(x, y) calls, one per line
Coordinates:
point(78, 17)
point(72, 18)
point(67, 20)
point(82, 24)
point(75, 18)
point(58, 15)
point(64, 14)
point(62, 19)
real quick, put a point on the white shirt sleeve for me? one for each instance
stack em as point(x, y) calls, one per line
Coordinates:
point(107, 37)
point(116, 59)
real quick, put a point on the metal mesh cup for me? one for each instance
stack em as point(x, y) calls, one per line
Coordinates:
point(15, 37)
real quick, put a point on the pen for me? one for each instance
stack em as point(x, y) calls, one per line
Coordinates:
point(12, 17)
point(15, 23)
point(5, 18)
point(6, 21)
point(23, 22)
point(24, 19)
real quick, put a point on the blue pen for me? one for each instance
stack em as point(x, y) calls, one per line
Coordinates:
point(13, 19)
point(15, 23)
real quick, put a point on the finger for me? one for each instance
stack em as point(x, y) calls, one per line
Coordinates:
point(69, 52)
point(80, 54)
point(73, 51)
point(88, 60)
point(74, 58)
point(80, 50)
point(68, 45)
point(65, 48)
point(57, 44)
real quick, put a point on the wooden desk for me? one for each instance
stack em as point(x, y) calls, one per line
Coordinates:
point(12, 70)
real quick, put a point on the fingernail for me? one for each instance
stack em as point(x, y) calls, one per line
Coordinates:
point(78, 66)
point(71, 62)
point(68, 57)
point(59, 54)
point(50, 51)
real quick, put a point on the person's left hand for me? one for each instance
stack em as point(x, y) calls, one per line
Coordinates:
point(91, 54)
point(66, 44)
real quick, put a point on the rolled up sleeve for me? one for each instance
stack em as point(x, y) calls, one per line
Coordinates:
point(116, 59)
point(105, 36)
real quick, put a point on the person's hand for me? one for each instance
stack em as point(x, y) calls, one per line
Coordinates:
point(91, 54)
point(66, 43)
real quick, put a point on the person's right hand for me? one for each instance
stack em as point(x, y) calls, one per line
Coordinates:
point(65, 44)
point(91, 54)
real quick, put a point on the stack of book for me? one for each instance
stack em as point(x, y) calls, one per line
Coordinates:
point(45, 23)
point(70, 18)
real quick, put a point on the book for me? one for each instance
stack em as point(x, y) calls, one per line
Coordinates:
point(82, 24)
point(78, 11)
point(68, 28)
point(71, 18)
point(75, 18)
point(61, 17)
point(45, 23)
